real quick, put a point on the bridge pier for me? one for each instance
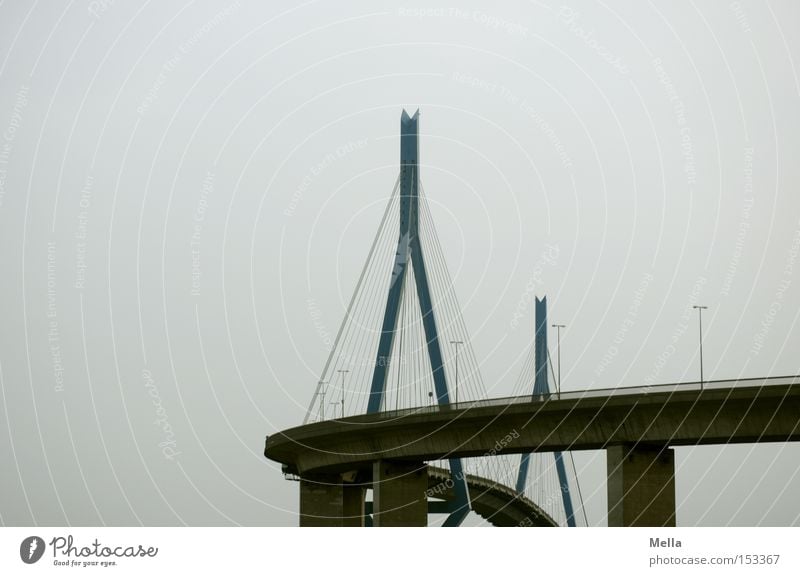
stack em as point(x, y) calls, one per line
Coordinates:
point(399, 493)
point(327, 500)
point(641, 485)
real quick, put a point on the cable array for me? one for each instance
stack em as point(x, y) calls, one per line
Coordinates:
point(343, 387)
point(543, 485)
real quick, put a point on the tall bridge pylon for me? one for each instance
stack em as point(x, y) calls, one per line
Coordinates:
point(403, 344)
point(409, 250)
point(390, 369)
point(541, 388)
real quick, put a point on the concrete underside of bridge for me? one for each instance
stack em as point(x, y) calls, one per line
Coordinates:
point(635, 429)
point(399, 493)
point(325, 500)
point(403, 495)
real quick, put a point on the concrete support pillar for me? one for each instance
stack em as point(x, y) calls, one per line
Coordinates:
point(641, 486)
point(398, 493)
point(328, 501)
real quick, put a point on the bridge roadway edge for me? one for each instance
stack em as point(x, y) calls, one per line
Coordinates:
point(683, 418)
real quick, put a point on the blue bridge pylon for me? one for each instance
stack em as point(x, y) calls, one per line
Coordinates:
point(391, 353)
point(409, 249)
point(541, 388)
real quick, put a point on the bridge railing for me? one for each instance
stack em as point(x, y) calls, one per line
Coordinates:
point(597, 392)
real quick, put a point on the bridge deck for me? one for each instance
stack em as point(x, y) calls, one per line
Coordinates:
point(732, 411)
point(495, 502)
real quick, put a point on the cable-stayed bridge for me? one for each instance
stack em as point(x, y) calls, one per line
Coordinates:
point(400, 409)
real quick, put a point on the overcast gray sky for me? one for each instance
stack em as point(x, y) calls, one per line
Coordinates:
point(188, 191)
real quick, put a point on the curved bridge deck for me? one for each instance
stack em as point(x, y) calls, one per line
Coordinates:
point(496, 503)
point(637, 427)
point(763, 410)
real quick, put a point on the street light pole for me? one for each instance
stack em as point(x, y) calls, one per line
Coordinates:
point(322, 399)
point(700, 317)
point(343, 372)
point(456, 343)
point(558, 328)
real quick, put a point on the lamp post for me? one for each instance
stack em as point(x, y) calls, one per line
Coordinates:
point(322, 399)
point(700, 317)
point(456, 343)
point(558, 328)
point(343, 372)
